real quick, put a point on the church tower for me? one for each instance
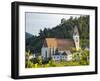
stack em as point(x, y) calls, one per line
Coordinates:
point(76, 37)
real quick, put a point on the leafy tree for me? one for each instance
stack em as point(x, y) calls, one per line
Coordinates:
point(85, 57)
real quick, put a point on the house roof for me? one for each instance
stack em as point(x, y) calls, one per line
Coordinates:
point(51, 42)
point(61, 44)
point(64, 53)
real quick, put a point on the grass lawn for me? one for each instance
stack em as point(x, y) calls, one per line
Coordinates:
point(56, 64)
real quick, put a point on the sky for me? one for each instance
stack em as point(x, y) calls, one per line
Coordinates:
point(36, 21)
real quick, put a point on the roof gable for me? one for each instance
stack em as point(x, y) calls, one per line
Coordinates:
point(61, 44)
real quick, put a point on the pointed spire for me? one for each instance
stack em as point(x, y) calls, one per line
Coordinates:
point(75, 30)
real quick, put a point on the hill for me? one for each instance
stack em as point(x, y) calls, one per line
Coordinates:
point(28, 35)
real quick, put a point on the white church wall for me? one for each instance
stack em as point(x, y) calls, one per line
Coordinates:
point(48, 52)
point(43, 52)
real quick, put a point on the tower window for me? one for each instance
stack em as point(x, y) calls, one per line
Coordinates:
point(75, 33)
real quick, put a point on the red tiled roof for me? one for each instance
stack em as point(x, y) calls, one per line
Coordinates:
point(61, 44)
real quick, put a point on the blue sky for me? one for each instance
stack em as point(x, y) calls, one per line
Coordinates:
point(37, 21)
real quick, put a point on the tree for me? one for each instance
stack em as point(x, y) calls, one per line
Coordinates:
point(63, 20)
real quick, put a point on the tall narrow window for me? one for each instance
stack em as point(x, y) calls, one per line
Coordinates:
point(46, 54)
point(50, 52)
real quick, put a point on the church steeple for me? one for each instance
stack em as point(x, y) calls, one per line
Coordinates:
point(76, 37)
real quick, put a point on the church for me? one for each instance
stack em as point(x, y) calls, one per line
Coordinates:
point(59, 49)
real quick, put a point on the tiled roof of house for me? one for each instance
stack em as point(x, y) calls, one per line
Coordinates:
point(61, 44)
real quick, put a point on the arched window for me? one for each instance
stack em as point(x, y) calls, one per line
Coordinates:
point(46, 54)
point(53, 51)
point(49, 52)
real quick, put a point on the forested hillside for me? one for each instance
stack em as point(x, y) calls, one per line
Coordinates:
point(28, 35)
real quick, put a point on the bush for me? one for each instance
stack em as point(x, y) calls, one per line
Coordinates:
point(85, 57)
point(28, 64)
point(35, 60)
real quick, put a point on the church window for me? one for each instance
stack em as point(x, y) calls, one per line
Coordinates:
point(46, 54)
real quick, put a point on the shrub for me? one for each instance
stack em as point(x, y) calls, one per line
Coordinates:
point(28, 64)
